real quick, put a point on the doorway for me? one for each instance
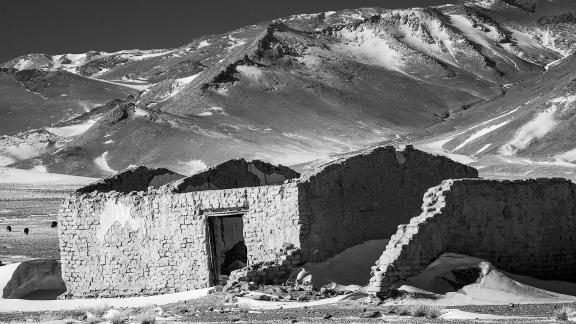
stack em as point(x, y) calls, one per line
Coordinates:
point(226, 248)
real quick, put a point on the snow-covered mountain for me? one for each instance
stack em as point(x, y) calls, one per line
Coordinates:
point(489, 81)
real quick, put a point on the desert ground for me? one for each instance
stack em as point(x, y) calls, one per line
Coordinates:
point(328, 291)
point(31, 200)
point(217, 308)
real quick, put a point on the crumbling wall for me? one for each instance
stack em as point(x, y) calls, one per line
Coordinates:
point(133, 179)
point(366, 197)
point(236, 174)
point(142, 243)
point(524, 227)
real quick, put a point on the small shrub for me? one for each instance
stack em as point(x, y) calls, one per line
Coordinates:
point(419, 311)
point(146, 316)
point(97, 311)
point(404, 311)
point(50, 316)
point(119, 318)
point(435, 311)
point(244, 307)
point(564, 313)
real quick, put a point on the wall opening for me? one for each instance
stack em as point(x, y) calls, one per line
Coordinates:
point(226, 248)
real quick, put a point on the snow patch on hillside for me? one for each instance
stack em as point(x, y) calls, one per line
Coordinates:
point(250, 71)
point(69, 62)
point(203, 43)
point(212, 110)
point(525, 40)
point(436, 146)
point(102, 163)
point(179, 84)
point(441, 47)
point(535, 129)
point(481, 133)
point(72, 130)
point(235, 42)
point(24, 146)
point(365, 46)
point(139, 112)
point(484, 148)
point(487, 4)
point(139, 87)
point(466, 27)
point(568, 156)
point(24, 64)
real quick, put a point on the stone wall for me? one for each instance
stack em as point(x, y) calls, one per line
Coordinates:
point(366, 197)
point(524, 227)
point(142, 243)
point(133, 179)
point(236, 174)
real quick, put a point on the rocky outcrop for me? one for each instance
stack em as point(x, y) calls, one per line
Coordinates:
point(524, 227)
point(235, 174)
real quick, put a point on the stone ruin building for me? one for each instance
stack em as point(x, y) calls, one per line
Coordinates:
point(153, 231)
point(146, 232)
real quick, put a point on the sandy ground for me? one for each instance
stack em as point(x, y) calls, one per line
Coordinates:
point(214, 308)
point(41, 242)
point(31, 200)
point(26, 201)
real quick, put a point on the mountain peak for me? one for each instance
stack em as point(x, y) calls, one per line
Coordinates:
point(298, 88)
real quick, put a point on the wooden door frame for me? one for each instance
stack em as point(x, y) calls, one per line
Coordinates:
point(214, 275)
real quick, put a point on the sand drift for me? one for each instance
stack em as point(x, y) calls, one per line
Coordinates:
point(453, 279)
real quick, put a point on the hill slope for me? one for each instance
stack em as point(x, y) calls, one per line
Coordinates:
point(306, 87)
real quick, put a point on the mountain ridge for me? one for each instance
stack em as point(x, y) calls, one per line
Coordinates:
point(306, 87)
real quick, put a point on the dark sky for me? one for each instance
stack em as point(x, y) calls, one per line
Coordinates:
point(75, 26)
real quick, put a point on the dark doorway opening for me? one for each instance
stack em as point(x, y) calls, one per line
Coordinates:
point(227, 250)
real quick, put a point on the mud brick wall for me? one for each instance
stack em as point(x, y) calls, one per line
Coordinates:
point(366, 197)
point(524, 227)
point(133, 179)
point(142, 243)
point(236, 174)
